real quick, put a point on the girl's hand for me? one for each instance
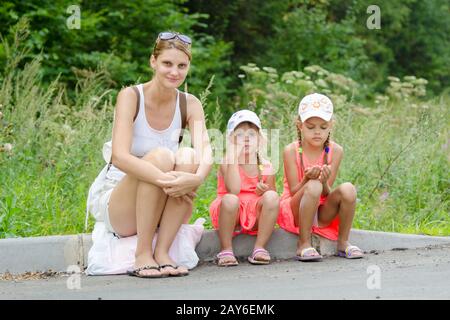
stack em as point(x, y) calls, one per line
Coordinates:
point(312, 173)
point(261, 188)
point(325, 174)
point(183, 183)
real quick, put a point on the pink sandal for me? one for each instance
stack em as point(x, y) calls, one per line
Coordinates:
point(351, 252)
point(222, 262)
point(252, 259)
point(309, 254)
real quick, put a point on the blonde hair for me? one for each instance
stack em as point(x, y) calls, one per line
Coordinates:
point(161, 45)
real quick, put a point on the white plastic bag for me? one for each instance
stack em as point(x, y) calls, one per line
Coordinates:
point(93, 203)
point(111, 255)
point(107, 151)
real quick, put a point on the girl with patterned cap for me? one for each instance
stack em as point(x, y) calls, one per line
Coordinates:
point(311, 164)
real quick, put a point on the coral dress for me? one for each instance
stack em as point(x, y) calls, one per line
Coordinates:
point(286, 218)
point(248, 200)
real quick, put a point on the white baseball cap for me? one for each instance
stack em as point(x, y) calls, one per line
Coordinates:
point(315, 105)
point(242, 116)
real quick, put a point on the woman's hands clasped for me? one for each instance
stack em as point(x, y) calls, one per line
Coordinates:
point(182, 185)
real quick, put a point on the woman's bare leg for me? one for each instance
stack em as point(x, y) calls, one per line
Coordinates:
point(176, 211)
point(135, 207)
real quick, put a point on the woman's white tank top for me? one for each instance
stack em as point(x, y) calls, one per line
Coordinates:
point(145, 138)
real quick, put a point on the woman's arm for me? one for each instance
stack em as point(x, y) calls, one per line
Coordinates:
point(199, 137)
point(122, 139)
point(186, 182)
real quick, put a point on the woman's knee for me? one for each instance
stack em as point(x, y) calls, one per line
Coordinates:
point(162, 158)
point(230, 203)
point(348, 192)
point(313, 188)
point(185, 160)
point(270, 199)
point(185, 155)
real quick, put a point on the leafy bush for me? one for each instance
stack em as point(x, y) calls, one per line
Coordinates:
point(117, 38)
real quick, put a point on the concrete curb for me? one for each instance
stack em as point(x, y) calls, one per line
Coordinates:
point(57, 253)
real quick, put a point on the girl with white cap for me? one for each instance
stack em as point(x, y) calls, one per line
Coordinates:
point(311, 164)
point(247, 201)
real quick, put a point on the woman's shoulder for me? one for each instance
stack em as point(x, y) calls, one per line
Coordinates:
point(126, 101)
point(191, 99)
point(194, 106)
point(127, 93)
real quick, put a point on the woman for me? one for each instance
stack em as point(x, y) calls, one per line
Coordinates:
point(156, 180)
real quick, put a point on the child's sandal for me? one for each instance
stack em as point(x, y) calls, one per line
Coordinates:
point(351, 252)
point(222, 260)
point(253, 258)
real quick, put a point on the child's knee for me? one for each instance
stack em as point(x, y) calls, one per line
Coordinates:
point(270, 199)
point(348, 192)
point(230, 203)
point(313, 188)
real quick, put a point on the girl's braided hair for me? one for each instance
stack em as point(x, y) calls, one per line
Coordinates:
point(326, 146)
point(260, 166)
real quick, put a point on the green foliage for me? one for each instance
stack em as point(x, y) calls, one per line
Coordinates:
point(276, 96)
point(305, 37)
point(54, 149)
point(291, 34)
point(117, 38)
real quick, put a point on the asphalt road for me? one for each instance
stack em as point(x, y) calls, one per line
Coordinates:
point(409, 274)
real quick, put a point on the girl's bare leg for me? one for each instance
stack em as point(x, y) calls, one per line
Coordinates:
point(342, 201)
point(307, 202)
point(267, 212)
point(228, 219)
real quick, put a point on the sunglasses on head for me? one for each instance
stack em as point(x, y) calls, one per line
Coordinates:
point(172, 35)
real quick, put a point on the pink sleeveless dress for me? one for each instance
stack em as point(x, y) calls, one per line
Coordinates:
point(286, 218)
point(248, 200)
